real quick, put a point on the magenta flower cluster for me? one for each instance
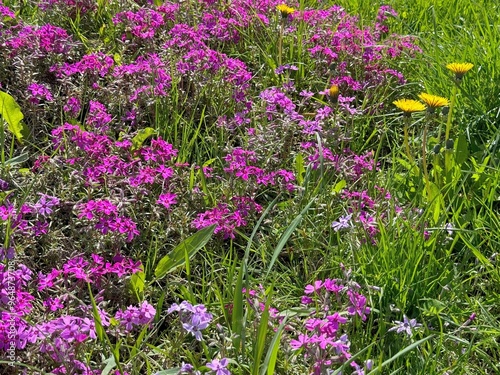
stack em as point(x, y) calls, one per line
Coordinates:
point(324, 341)
point(228, 217)
point(105, 218)
point(62, 325)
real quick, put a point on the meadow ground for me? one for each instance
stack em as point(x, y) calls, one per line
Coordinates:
point(249, 187)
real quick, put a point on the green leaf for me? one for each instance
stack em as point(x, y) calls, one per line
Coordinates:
point(110, 365)
point(185, 250)
point(99, 330)
point(137, 284)
point(260, 343)
point(436, 201)
point(272, 353)
point(479, 255)
point(238, 324)
point(11, 113)
point(399, 354)
point(461, 150)
point(140, 137)
point(18, 159)
point(286, 236)
point(172, 371)
point(138, 341)
point(339, 186)
point(117, 57)
point(299, 168)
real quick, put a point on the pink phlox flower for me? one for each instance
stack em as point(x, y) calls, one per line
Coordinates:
point(39, 92)
point(302, 341)
point(313, 288)
point(167, 199)
point(53, 304)
point(123, 266)
point(72, 106)
point(6, 12)
point(322, 340)
point(342, 346)
point(47, 281)
point(193, 318)
point(97, 116)
point(78, 268)
point(166, 172)
point(342, 223)
point(314, 324)
point(124, 225)
point(334, 322)
point(358, 305)
point(306, 300)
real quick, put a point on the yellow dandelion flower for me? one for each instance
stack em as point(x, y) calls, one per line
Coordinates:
point(285, 10)
point(408, 106)
point(334, 91)
point(433, 101)
point(459, 69)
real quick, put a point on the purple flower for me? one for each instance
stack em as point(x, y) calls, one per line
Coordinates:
point(309, 289)
point(358, 305)
point(8, 253)
point(45, 204)
point(72, 106)
point(219, 367)
point(4, 185)
point(301, 341)
point(343, 222)
point(167, 200)
point(136, 316)
point(39, 92)
point(407, 326)
point(194, 319)
point(306, 300)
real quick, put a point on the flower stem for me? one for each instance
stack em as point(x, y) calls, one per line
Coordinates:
point(280, 44)
point(424, 163)
point(406, 142)
point(448, 130)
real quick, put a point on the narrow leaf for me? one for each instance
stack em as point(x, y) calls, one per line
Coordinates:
point(237, 313)
point(285, 237)
point(110, 365)
point(272, 353)
point(399, 354)
point(137, 284)
point(299, 168)
point(260, 343)
point(18, 159)
point(172, 371)
point(99, 329)
point(187, 248)
point(462, 150)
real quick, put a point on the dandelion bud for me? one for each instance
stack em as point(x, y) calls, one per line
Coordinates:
point(437, 149)
point(449, 144)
